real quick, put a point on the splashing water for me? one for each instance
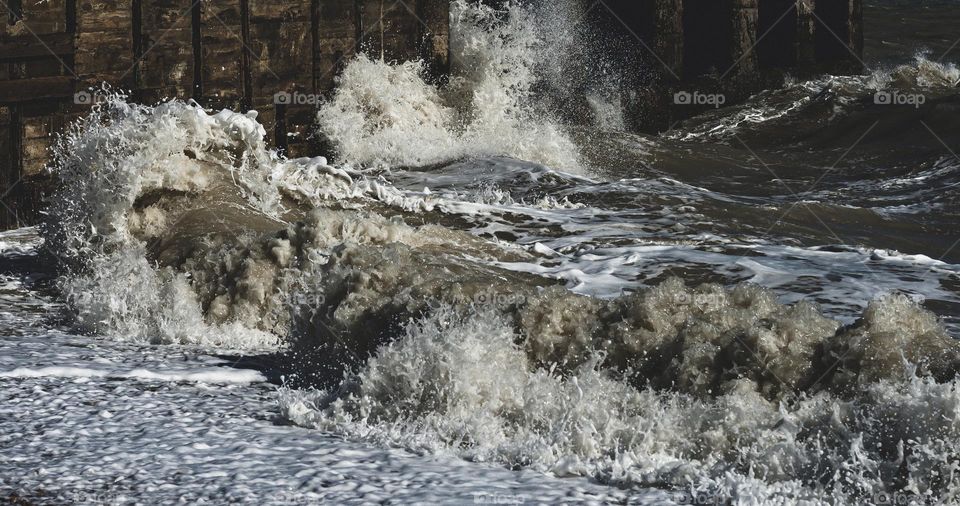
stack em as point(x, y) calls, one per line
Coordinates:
point(388, 114)
point(500, 311)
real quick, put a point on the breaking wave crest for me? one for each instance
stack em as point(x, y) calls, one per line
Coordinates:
point(727, 420)
point(389, 114)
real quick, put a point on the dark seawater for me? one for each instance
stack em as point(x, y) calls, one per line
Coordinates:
point(894, 30)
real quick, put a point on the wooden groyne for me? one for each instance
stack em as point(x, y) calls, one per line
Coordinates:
point(241, 53)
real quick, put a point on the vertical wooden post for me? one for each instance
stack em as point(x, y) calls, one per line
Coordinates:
point(196, 36)
point(433, 36)
point(71, 13)
point(743, 50)
point(7, 157)
point(136, 29)
point(359, 25)
point(855, 22)
point(806, 33)
point(14, 11)
point(10, 178)
point(246, 72)
point(669, 30)
point(315, 46)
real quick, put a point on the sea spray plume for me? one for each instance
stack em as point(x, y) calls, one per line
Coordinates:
point(104, 163)
point(388, 114)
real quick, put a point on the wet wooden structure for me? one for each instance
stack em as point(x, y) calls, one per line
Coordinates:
point(241, 53)
point(733, 47)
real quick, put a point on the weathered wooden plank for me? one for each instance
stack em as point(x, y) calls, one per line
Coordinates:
point(38, 88)
point(104, 44)
point(281, 47)
point(103, 16)
point(434, 35)
point(336, 40)
point(389, 30)
point(743, 43)
point(806, 33)
point(105, 56)
point(36, 154)
point(29, 47)
point(221, 72)
point(35, 17)
point(166, 59)
point(9, 167)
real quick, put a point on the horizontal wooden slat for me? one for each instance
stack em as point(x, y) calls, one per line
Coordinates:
point(22, 90)
point(22, 48)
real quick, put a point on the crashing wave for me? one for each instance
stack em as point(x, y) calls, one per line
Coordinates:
point(172, 225)
point(384, 114)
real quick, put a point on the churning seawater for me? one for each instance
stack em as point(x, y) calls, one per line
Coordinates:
point(759, 305)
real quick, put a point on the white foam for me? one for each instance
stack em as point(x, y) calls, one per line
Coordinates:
point(463, 386)
point(202, 376)
point(387, 114)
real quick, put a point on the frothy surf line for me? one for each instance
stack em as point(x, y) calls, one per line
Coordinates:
point(217, 376)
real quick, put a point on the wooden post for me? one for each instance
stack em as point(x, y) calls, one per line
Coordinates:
point(282, 45)
point(806, 33)
point(433, 36)
point(337, 28)
point(196, 39)
point(360, 24)
point(221, 53)
point(855, 22)
point(164, 46)
point(9, 166)
point(743, 43)
point(104, 50)
point(666, 34)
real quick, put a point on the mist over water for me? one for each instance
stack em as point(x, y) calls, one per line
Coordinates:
point(760, 305)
